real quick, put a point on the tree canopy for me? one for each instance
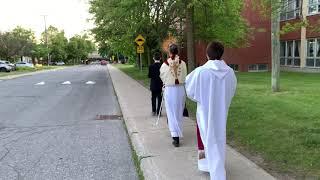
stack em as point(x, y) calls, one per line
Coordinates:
point(119, 22)
point(79, 47)
point(22, 42)
point(18, 42)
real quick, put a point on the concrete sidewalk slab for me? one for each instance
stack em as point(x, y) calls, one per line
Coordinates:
point(160, 160)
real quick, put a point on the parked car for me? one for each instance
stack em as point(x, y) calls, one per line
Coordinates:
point(4, 67)
point(61, 63)
point(103, 62)
point(95, 62)
point(13, 66)
point(24, 64)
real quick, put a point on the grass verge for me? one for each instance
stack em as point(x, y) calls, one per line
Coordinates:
point(25, 70)
point(136, 159)
point(279, 131)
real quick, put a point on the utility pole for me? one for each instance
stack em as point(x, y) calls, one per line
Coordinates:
point(46, 34)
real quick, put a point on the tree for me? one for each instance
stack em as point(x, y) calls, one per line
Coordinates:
point(6, 45)
point(79, 47)
point(40, 51)
point(190, 35)
point(275, 47)
point(57, 43)
point(274, 8)
point(118, 23)
point(17, 43)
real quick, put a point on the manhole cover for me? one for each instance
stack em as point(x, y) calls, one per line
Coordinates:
point(108, 117)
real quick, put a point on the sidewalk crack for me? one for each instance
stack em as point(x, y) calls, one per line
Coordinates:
point(5, 155)
point(145, 157)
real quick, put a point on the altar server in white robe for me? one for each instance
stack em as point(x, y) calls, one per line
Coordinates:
point(212, 86)
point(173, 73)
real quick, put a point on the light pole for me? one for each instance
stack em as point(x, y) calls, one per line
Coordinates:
point(46, 34)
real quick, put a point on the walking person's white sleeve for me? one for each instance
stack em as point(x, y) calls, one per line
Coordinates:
point(192, 87)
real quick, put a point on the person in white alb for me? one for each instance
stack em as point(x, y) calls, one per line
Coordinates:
point(173, 73)
point(212, 86)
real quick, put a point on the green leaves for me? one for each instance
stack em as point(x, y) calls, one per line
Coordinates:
point(18, 42)
point(118, 22)
point(222, 21)
point(79, 47)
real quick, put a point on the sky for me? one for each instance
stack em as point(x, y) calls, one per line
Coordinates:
point(68, 15)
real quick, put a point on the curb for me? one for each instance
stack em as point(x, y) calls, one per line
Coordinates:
point(134, 152)
point(137, 146)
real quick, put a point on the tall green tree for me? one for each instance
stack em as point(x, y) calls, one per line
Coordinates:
point(57, 44)
point(79, 47)
point(119, 22)
point(190, 35)
point(274, 8)
point(17, 43)
point(40, 51)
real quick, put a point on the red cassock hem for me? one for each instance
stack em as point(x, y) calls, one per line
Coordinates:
point(200, 143)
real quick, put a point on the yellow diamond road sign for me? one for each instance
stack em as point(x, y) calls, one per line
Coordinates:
point(140, 40)
point(140, 49)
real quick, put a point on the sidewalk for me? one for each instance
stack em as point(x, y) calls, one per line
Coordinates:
point(160, 160)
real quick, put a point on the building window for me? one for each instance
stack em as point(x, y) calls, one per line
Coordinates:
point(313, 53)
point(258, 67)
point(290, 53)
point(314, 7)
point(235, 67)
point(290, 9)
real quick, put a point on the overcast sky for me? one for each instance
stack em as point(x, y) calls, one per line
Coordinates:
point(70, 15)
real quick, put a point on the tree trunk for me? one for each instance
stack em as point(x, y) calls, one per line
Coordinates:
point(149, 55)
point(190, 36)
point(275, 39)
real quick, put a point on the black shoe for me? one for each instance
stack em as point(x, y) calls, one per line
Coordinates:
point(153, 113)
point(175, 142)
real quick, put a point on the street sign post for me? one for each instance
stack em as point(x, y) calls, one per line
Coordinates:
point(140, 40)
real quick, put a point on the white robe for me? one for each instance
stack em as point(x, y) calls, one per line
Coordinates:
point(174, 97)
point(212, 86)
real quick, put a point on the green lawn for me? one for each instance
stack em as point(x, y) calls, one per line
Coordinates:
point(27, 70)
point(281, 128)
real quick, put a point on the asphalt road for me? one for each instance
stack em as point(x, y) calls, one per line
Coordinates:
point(49, 127)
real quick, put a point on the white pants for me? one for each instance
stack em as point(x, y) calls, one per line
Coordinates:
point(175, 100)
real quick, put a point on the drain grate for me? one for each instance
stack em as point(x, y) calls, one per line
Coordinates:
point(108, 117)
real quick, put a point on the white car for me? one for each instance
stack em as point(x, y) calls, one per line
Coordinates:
point(13, 67)
point(60, 63)
point(4, 67)
point(24, 64)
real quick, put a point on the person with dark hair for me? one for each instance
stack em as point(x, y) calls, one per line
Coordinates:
point(155, 84)
point(173, 73)
point(212, 86)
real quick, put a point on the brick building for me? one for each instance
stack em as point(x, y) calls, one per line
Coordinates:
point(300, 50)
